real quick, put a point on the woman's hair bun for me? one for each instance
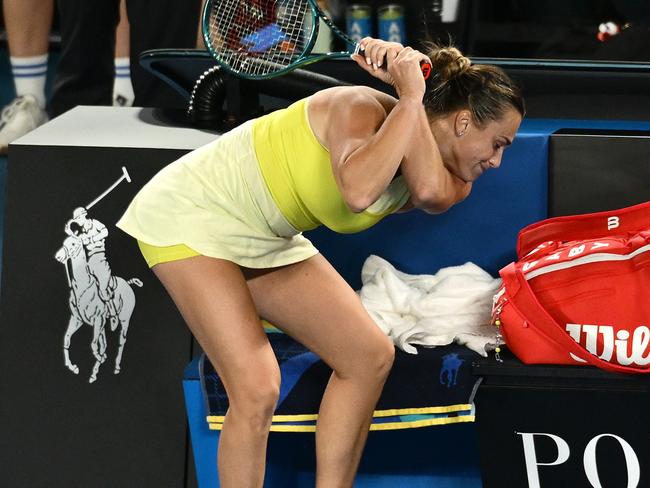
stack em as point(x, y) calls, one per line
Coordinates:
point(455, 84)
point(448, 61)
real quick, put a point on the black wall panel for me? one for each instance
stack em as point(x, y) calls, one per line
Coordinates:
point(595, 171)
point(58, 429)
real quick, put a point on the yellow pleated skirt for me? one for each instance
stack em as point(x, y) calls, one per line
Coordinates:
point(214, 202)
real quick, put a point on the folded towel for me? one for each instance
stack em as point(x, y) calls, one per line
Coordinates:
point(431, 310)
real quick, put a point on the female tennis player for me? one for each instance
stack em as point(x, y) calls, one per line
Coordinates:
point(222, 230)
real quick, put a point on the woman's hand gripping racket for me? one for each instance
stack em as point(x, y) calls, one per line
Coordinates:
point(257, 39)
point(395, 65)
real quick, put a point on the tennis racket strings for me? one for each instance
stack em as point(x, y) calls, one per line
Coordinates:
point(259, 37)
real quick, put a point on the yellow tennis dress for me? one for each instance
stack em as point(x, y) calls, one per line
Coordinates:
point(248, 196)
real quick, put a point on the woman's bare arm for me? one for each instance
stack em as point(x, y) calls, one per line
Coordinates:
point(366, 144)
point(433, 187)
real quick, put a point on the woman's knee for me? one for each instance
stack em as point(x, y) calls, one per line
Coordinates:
point(374, 362)
point(254, 400)
point(385, 356)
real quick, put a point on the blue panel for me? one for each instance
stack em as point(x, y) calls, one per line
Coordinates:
point(192, 369)
point(204, 441)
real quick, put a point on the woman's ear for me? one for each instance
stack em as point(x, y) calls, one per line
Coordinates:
point(461, 122)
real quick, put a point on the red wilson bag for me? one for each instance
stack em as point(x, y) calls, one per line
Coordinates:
point(580, 291)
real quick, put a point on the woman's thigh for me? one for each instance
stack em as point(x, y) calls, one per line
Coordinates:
point(311, 302)
point(215, 302)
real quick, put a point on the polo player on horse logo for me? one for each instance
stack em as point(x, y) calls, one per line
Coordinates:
point(95, 294)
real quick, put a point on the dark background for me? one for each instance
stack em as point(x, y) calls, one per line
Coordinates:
point(550, 29)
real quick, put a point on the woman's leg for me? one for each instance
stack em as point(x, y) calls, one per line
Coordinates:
point(313, 303)
point(212, 296)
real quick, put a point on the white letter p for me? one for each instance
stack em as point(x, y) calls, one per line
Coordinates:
point(531, 457)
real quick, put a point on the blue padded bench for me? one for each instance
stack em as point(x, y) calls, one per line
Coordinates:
point(482, 229)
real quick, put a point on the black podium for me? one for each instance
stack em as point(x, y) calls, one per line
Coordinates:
point(561, 426)
point(86, 401)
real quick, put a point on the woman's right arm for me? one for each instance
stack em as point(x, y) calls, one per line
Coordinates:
point(433, 187)
point(366, 144)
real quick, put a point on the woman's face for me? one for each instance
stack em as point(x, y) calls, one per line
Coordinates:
point(469, 150)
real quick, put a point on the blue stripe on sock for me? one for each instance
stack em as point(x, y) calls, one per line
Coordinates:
point(28, 66)
point(30, 75)
point(117, 75)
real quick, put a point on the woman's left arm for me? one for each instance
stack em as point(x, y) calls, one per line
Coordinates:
point(433, 187)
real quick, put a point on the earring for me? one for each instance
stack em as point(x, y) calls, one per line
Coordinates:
point(460, 133)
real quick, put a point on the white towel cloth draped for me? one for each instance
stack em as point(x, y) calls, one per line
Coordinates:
point(431, 310)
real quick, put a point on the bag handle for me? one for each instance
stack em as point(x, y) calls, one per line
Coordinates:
point(581, 227)
point(522, 296)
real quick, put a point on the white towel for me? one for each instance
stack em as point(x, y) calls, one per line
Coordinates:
point(431, 310)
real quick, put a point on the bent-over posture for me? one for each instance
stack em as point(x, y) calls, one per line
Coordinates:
point(222, 230)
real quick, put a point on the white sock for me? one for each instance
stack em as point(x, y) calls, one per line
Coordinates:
point(122, 87)
point(29, 76)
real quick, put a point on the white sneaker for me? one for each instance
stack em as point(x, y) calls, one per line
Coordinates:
point(18, 118)
point(122, 100)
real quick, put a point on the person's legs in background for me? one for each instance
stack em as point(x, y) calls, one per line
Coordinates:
point(157, 24)
point(86, 69)
point(122, 88)
point(28, 24)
